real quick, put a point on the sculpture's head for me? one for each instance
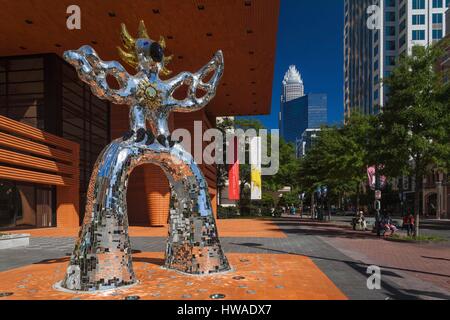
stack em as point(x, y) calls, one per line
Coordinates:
point(144, 53)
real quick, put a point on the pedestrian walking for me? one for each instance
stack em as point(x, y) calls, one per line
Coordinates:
point(406, 223)
point(411, 225)
point(292, 210)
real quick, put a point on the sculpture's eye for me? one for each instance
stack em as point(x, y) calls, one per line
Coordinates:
point(145, 45)
point(156, 52)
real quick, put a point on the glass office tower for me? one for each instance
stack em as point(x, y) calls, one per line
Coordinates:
point(298, 115)
point(372, 47)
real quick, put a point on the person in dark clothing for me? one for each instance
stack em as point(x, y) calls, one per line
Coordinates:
point(411, 225)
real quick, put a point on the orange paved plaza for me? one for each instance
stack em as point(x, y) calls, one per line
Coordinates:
point(259, 228)
point(255, 277)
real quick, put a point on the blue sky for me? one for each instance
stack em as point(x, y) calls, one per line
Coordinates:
point(310, 36)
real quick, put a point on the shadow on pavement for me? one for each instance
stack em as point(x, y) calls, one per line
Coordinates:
point(259, 246)
point(155, 261)
point(52, 261)
point(334, 233)
point(361, 268)
point(436, 258)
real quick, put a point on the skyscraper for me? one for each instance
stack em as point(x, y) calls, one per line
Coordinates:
point(293, 87)
point(447, 21)
point(298, 115)
point(376, 34)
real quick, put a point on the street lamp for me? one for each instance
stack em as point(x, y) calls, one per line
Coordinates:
point(378, 187)
point(377, 200)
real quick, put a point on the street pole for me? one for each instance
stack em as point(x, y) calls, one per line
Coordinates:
point(377, 202)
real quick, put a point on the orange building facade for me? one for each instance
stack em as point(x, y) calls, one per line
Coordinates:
point(66, 127)
point(42, 171)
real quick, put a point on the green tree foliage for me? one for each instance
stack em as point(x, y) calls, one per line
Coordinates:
point(414, 125)
point(339, 157)
point(287, 175)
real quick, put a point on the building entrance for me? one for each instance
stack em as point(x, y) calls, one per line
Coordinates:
point(26, 205)
point(10, 204)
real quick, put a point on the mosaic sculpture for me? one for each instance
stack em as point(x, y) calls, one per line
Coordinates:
point(102, 255)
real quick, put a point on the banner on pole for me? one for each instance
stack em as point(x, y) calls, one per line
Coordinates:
point(233, 172)
point(255, 162)
point(371, 178)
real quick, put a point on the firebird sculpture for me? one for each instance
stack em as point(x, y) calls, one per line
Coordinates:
point(102, 256)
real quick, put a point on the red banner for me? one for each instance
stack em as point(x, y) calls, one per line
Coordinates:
point(371, 177)
point(233, 173)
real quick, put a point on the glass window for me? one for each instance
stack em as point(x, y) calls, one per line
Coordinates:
point(390, 16)
point(418, 19)
point(26, 205)
point(390, 60)
point(10, 205)
point(437, 18)
point(22, 90)
point(418, 4)
point(390, 45)
point(402, 41)
point(390, 3)
point(390, 31)
point(85, 121)
point(437, 34)
point(437, 3)
point(418, 35)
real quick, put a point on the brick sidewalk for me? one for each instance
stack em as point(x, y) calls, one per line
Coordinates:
point(420, 269)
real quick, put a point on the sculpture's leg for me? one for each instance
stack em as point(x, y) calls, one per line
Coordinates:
point(102, 255)
point(193, 245)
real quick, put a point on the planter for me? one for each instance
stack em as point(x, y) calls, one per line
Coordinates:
point(14, 240)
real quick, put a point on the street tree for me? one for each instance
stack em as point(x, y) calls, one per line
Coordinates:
point(339, 158)
point(414, 124)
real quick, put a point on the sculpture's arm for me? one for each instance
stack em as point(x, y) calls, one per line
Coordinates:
point(92, 70)
point(195, 82)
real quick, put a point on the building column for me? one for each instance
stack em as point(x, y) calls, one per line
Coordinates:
point(148, 197)
point(157, 192)
point(67, 207)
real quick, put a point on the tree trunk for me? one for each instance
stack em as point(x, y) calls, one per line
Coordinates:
point(417, 193)
point(357, 198)
point(329, 210)
point(219, 196)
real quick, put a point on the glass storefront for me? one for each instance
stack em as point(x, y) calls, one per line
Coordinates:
point(26, 205)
